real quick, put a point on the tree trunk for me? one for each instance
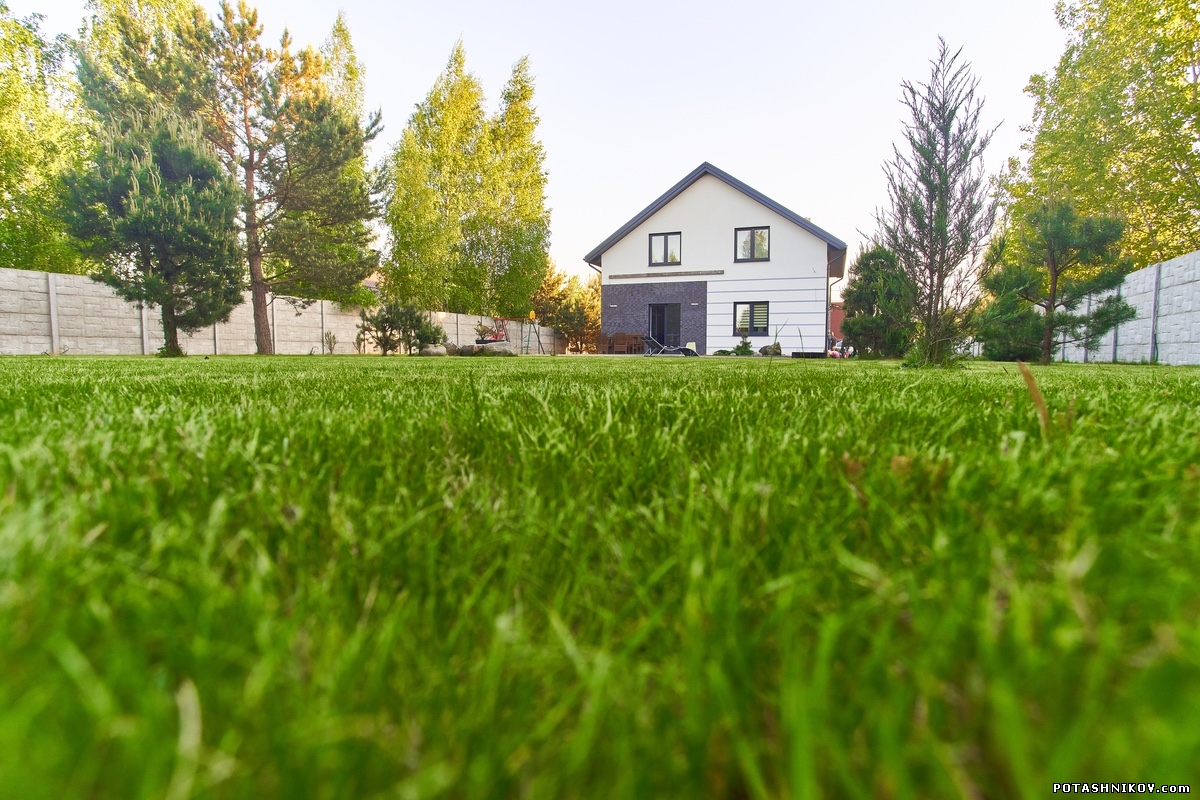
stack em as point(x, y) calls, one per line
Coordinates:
point(170, 331)
point(258, 298)
point(1048, 330)
point(264, 345)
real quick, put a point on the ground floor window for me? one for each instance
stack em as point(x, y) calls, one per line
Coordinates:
point(750, 319)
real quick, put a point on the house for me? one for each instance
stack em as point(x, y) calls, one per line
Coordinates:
point(837, 315)
point(713, 260)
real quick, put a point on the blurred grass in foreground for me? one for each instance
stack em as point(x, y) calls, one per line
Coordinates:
point(356, 577)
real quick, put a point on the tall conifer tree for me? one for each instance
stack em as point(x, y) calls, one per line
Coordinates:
point(941, 210)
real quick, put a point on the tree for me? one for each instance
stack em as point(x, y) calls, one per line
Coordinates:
point(433, 183)
point(878, 301)
point(298, 156)
point(393, 325)
point(1115, 125)
point(1053, 259)
point(469, 227)
point(505, 241)
point(40, 135)
point(154, 209)
point(345, 74)
point(571, 307)
point(299, 160)
point(940, 211)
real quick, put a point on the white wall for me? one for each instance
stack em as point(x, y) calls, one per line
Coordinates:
point(706, 214)
point(52, 313)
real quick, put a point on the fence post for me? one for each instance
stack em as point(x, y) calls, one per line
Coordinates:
point(1089, 328)
point(1116, 333)
point(322, 342)
point(1154, 315)
point(145, 329)
point(52, 296)
point(274, 329)
point(215, 346)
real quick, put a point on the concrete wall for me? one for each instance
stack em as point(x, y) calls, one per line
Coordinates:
point(44, 312)
point(1167, 328)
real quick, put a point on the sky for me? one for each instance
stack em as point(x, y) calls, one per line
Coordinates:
point(798, 99)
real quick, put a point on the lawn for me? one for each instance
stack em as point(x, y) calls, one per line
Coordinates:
point(353, 577)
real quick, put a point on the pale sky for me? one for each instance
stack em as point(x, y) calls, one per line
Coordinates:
point(799, 100)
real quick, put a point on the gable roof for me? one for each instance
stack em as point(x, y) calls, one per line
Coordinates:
point(835, 245)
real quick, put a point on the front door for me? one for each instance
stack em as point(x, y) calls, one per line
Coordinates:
point(664, 323)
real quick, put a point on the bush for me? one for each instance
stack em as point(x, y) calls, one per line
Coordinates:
point(392, 326)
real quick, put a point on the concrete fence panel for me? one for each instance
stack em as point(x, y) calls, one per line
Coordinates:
point(52, 313)
point(1166, 297)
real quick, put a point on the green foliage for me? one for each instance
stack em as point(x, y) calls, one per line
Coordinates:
point(1061, 263)
point(1009, 328)
point(346, 77)
point(593, 578)
point(40, 135)
point(1115, 124)
point(154, 208)
point(879, 304)
point(392, 326)
point(296, 149)
point(467, 215)
point(940, 210)
point(743, 348)
point(571, 307)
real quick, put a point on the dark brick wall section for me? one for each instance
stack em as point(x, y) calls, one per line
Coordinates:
point(632, 302)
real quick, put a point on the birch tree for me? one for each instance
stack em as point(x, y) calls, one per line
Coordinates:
point(1117, 124)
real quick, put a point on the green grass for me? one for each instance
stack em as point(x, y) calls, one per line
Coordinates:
point(366, 577)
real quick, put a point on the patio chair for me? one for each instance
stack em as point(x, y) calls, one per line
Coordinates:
point(657, 348)
point(620, 343)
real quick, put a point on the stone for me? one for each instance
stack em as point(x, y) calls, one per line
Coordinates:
point(468, 349)
point(433, 350)
point(498, 349)
point(451, 348)
point(770, 350)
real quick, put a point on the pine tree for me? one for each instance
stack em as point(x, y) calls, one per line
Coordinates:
point(298, 156)
point(154, 208)
point(1052, 259)
point(878, 302)
point(940, 210)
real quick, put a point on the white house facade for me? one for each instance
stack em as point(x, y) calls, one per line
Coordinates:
point(713, 260)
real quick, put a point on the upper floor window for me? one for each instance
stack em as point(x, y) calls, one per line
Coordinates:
point(752, 244)
point(664, 248)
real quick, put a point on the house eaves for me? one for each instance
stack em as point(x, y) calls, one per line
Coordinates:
point(836, 247)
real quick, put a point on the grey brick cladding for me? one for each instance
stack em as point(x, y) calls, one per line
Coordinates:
point(625, 308)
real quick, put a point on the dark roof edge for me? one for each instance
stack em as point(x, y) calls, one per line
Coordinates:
point(706, 168)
